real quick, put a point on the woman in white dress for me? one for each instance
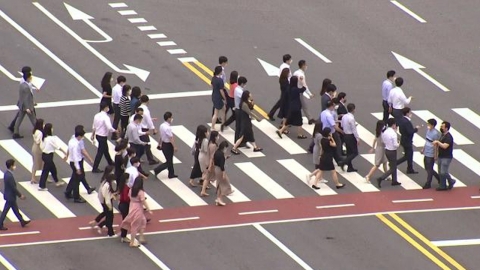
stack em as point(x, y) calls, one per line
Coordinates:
point(36, 150)
point(208, 173)
point(379, 147)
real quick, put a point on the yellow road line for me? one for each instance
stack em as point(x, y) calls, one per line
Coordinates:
point(427, 242)
point(410, 240)
point(207, 81)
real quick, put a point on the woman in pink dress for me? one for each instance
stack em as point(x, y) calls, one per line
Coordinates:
point(136, 221)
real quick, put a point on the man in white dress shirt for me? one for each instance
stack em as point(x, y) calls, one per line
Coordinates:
point(101, 127)
point(287, 61)
point(148, 128)
point(300, 73)
point(116, 95)
point(75, 159)
point(167, 145)
point(389, 137)
point(352, 140)
point(387, 85)
point(397, 99)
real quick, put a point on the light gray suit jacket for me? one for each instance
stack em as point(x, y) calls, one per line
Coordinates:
point(25, 97)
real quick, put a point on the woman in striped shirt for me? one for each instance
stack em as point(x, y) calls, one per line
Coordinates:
point(125, 107)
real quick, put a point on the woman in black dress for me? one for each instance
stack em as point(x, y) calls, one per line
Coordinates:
point(295, 109)
point(284, 97)
point(121, 153)
point(196, 171)
point(107, 91)
point(246, 129)
point(326, 159)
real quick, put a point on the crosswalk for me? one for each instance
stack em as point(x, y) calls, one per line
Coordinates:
point(259, 175)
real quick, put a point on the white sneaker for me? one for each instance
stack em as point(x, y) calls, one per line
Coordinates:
point(323, 181)
point(60, 183)
point(50, 180)
point(43, 189)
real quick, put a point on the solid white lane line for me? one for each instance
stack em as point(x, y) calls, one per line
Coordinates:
point(154, 36)
point(229, 135)
point(418, 158)
point(258, 212)
point(286, 143)
point(166, 43)
point(469, 115)
point(456, 243)
point(177, 51)
point(117, 5)
point(413, 200)
point(335, 206)
point(137, 20)
point(408, 11)
point(180, 189)
point(59, 61)
point(147, 28)
point(300, 172)
point(418, 141)
point(57, 208)
point(458, 138)
point(153, 258)
point(19, 233)
point(127, 12)
point(6, 263)
point(178, 219)
point(10, 215)
point(284, 248)
point(257, 175)
point(313, 50)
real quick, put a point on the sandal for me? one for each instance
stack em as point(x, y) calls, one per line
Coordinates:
point(301, 137)
point(258, 149)
point(235, 151)
point(192, 184)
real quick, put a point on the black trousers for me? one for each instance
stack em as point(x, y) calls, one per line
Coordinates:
point(337, 155)
point(392, 163)
point(48, 167)
point(75, 179)
point(352, 149)
point(397, 114)
point(14, 206)
point(275, 108)
point(116, 115)
point(102, 151)
point(386, 113)
point(231, 118)
point(108, 222)
point(167, 149)
point(428, 163)
point(407, 156)
point(124, 124)
point(238, 124)
point(139, 149)
point(124, 207)
point(148, 150)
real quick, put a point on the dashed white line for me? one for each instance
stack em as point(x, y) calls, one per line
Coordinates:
point(137, 20)
point(187, 59)
point(147, 28)
point(413, 200)
point(166, 43)
point(456, 243)
point(127, 12)
point(258, 212)
point(313, 50)
point(178, 219)
point(20, 233)
point(335, 206)
point(177, 51)
point(153, 36)
point(118, 5)
point(475, 197)
point(89, 227)
point(408, 11)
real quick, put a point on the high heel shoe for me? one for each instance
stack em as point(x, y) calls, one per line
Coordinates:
point(340, 186)
point(219, 203)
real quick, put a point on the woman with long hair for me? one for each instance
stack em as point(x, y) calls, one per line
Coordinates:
point(284, 98)
point(208, 172)
point(317, 151)
point(49, 145)
point(135, 98)
point(107, 91)
point(119, 160)
point(123, 202)
point(325, 83)
point(125, 108)
point(36, 150)
point(136, 221)
point(378, 147)
point(246, 129)
point(230, 95)
point(196, 169)
point(106, 195)
point(294, 117)
point(223, 183)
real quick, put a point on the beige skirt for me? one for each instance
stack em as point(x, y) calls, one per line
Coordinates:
point(37, 157)
point(223, 185)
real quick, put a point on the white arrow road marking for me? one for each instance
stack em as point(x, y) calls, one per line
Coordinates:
point(82, 16)
point(142, 74)
point(36, 81)
point(271, 70)
point(409, 64)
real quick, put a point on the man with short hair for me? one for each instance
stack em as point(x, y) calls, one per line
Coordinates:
point(287, 61)
point(134, 133)
point(397, 99)
point(352, 140)
point(328, 120)
point(100, 129)
point(167, 144)
point(406, 140)
point(75, 158)
point(390, 139)
point(445, 156)
point(25, 104)
point(116, 95)
point(430, 152)
point(300, 73)
point(10, 194)
point(25, 70)
point(148, 127)
point(328, 95)
point(387, 85)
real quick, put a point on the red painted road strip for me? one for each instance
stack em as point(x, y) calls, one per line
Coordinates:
point(288, 209)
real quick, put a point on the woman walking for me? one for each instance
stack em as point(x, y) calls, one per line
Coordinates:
point(295, 109)
point(136, 221)
point(246, 129)
point(49, 145)
point(36, 150)
point(125, 108)
point(98, 222)
point(326, 159)
point(105, 195)
point(208, 172)
point(317, 150)
point(378, 147)
point(119, 161)
point(223, 183)
point(284, 97)
point(123, 202)
point(196, 169)
point(107, 91)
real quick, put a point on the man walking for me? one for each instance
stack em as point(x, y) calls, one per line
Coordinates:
point(328, 95)
point(352, 140)
point(387, 85)
point(167, 145)
point(134, 133)
point(300, 73)
point(116, 95)
point(445, 155)
point(25, 104)
point(407, 131)
point(10, 194)
point(397, 99)
point(328, 120)
point(101, 127)
point(430, 153)
point(75, 159)
point(25, 70)
point(389, 137)
point(147, 128)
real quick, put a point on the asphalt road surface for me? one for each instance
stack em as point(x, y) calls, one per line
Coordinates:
point(274, 219)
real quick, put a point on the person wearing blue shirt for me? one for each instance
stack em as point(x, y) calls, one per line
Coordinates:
point(328, 120)
point(429, 152)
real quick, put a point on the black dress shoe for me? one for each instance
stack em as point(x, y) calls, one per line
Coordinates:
point(90, 190)
point(315, 187)
point(450, 186)
point(396, 183)
point(379, 182)
point(426, 187)
point(3, 228)
point(97, 171)
point(441, 189)
point(25, 223)
point(172, 176)
point(17, 136)
point(79, 200)
point(67, 195)
point(341, 186)
point(412, 172)
point(271, 118)
point(311, 121)
point(352, 170)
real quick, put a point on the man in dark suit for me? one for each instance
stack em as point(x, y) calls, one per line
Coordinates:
point(10, 194)
point(25, 70)
point(406, 141)
point(341, 99)
point(25, 104)
point(329, 94)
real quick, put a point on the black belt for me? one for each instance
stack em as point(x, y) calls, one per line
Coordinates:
point(390, 150)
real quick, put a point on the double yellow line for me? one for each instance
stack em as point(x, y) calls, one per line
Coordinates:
point(207, 74)
point(389, 221)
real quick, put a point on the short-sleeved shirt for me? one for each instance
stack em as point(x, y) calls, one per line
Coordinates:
point(429, 148)
point(217, 86)
point(166, 132)
point(219, 159)
point(328, 120)
point(448, 152)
